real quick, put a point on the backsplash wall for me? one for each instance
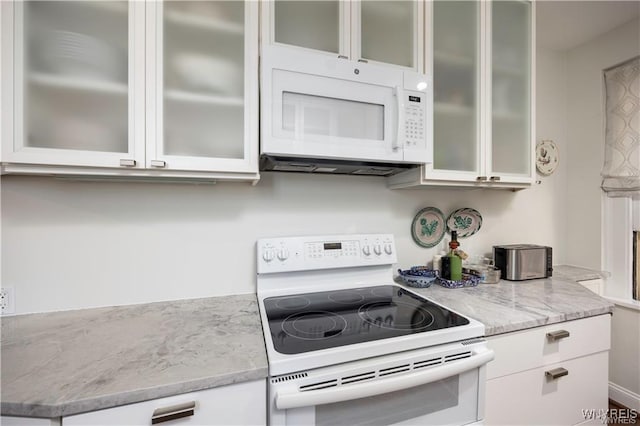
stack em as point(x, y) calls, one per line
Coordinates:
point(76, 244)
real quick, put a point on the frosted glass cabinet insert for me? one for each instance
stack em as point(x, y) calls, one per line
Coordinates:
point(456, 73)
point(131, 88)
point(388, 32)
point(483, 84)
point(197, 95)
point(74, 88)
point(510, 88)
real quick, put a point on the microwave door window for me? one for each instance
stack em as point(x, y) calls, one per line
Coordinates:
point(326, 119)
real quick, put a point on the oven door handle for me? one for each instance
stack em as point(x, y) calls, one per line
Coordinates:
point(296, 399)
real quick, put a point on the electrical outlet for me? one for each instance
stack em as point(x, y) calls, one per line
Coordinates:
point(7, 301)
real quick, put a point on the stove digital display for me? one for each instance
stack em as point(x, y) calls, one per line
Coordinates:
point(313, 321)
point(333, 246)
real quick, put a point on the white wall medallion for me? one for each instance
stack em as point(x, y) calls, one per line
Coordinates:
point(546, 157)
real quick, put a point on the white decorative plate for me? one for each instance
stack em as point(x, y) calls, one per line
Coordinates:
point(546, 157)
point(428, 227)
point(465, 222)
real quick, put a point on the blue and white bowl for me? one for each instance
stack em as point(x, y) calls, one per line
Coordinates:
point(417, 276)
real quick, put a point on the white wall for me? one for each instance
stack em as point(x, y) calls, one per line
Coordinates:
point(551, 113)
point(585, 92)
point(82, 244)
point(585, 122)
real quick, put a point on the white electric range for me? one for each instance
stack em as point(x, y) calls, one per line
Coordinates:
point(348, 346)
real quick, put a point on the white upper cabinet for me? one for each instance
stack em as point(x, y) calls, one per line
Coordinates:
point(136, 88)
point(511, 91)
point(482, 57)
point(318, 25)
point(457, 75)
point(203, 94)
point(386, 32)
point(72, 83)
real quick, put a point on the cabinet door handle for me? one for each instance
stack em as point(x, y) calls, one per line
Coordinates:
point(481, 178)
point(127, 162)
point(494, 178)
point(556, 373)
point(173, 412)
point(158, 163)
point(363, 61)
point(343, 57)
point(557, 335)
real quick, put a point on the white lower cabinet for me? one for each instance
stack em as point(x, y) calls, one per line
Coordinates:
point(556, 374)
point(236, 404)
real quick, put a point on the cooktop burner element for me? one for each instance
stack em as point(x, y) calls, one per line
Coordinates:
point(420, 319)
point(314, 325)
point(344, 317)
point(292, 302)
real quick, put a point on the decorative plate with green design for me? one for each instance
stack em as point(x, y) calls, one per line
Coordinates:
point(428, 227)
point(465, 221)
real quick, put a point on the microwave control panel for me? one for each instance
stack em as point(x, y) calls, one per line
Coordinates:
point(414, 119)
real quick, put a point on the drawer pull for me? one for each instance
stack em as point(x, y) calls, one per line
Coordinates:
point(557, 335)
point(556, 373)
point(173, 412)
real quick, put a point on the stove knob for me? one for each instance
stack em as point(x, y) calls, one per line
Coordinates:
point(388, 249)
point(268, 255)
point(366, 250)
point(377, 249)
point(283, 254)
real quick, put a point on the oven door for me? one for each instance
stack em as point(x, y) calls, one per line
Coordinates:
point(443, 393)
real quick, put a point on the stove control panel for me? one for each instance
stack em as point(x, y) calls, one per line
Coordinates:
point(325, 252)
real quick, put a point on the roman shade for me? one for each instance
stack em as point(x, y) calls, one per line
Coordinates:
point(621, 169)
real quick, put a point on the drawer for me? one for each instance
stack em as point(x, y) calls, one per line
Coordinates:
point(533, 398)
point(236, 404)
point(527, 349)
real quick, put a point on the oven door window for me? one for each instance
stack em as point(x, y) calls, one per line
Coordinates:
point(450, 401)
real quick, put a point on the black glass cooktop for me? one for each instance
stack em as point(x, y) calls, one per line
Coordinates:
point(313, 321)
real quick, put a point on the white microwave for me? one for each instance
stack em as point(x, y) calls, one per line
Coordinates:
point(332, 115)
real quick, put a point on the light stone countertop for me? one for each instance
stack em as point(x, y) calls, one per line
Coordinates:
point(518, 305)
point(576, 273)
point(63, 363)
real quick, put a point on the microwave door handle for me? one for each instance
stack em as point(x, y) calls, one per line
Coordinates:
point(400, 116)
point(296, 399)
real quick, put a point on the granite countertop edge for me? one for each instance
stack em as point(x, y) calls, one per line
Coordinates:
point(45, 410)
point(526, 325)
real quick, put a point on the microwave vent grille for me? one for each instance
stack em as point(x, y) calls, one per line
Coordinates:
point(372, 172)
point(292, 167)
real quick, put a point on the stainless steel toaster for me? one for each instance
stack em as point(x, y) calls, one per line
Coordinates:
point(519, 262)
